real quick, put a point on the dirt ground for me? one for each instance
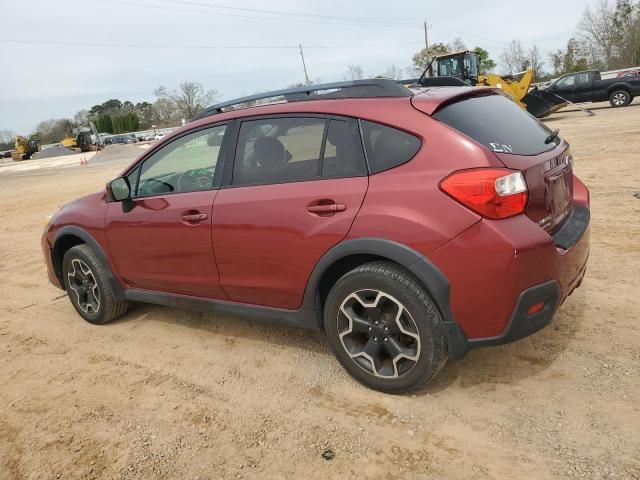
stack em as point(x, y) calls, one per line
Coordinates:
point(169, 394)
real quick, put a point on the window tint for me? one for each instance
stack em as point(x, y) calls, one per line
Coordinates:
point(567, 81)
point(340, 160)
point(583, 78)
point(499, 124)
point(187, 164)
point(280, 150)
point(387, 147)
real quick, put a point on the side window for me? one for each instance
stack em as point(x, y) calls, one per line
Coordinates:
point(387, 147)
point(340, 159)
point(187, 164)
point(583, 78)
point(567, 81)
point(281, 150)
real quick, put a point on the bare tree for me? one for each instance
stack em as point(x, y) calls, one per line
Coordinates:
point(513, 57)
point(457, 45)
point(535, 61)
point(555, 58)
point(354, 72)
point(393, 72)
point(164, 111)
point(597, 29)
point(7, 136)
point(190, 98)
point(81, 117)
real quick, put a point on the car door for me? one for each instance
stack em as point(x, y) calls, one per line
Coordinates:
point(162, 240)
point(294, 189)
point(583, 87)
point(565, 87)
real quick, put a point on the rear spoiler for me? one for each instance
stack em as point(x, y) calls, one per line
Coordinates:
point(432, 100)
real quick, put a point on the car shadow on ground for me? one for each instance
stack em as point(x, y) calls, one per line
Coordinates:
point(509, 364)
point(229, 326)
point(488, 366)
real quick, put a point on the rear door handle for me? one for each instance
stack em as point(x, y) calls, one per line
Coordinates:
point(194, 217)
point(327, 208)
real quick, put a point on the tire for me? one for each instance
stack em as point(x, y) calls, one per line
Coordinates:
point(619, 98)
point(380, 291)
point(87, 284)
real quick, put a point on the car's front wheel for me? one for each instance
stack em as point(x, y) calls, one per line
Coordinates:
point(619, 98)
point(384, 328)
point(88, 286)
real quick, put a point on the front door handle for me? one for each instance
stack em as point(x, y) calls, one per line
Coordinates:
point(194, 218)
point(327, 209)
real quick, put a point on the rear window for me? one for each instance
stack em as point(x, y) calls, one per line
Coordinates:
point(387, 147)
point(499, 124)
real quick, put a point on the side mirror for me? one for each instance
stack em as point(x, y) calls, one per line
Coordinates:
point(120, 189)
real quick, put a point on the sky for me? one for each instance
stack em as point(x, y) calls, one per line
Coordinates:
point(58, 57)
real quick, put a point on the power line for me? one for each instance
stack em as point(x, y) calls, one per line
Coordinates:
point(296, 14)
point(257, 17)
point(194, 47)
point(462, 32)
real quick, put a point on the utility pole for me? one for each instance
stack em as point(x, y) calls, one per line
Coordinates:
point(304, 65)
point(426, 46)
point(426, 37)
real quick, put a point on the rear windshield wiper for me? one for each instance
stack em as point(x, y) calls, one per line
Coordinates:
point(552, 136)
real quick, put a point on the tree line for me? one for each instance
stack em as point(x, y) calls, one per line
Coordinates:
point(115, 116)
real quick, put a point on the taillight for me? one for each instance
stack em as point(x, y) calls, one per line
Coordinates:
point(491, 192)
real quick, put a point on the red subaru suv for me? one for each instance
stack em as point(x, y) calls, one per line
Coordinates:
point(408, 227)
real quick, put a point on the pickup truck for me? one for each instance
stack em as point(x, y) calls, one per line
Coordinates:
point(589, 87)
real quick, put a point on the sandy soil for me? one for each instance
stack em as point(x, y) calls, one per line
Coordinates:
point(168, 394)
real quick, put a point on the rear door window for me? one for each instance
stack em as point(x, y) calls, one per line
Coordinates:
point(387, 147)
point(282, 150)
point(499, 124)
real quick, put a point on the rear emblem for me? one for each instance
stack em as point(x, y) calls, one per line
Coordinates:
point(501, 148)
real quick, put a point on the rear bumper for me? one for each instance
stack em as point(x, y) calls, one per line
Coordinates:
point(522, 324)
point(499, 269)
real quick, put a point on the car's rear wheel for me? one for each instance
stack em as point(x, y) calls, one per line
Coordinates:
point(88, 286)
point(384, 328)
point(619, 98)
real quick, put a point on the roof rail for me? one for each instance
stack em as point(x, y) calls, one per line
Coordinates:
point(374, 88)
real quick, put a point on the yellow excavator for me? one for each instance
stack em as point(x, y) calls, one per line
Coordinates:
point(24, 148)
point(461, 69)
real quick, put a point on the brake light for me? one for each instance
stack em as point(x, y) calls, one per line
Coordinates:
point(491, 192)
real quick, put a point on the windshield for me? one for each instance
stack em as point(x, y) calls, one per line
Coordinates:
point(464, 66)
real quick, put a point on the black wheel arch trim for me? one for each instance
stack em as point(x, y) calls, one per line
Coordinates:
point(619, 86)
point(88, 239)
point(417, 264)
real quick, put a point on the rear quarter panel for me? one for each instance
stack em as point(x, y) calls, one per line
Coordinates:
point(405, 203)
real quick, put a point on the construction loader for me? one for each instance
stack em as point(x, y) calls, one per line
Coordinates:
point(24, 148)
point(461, 69)
point(83, 140)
